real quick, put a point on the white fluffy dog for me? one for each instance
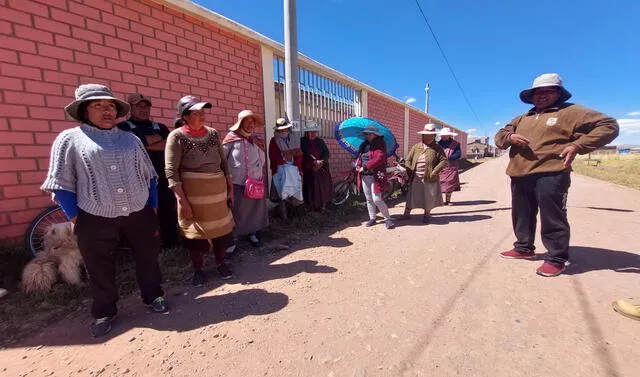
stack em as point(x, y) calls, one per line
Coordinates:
point(60, 256)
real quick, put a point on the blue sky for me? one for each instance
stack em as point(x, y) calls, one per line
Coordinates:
point(496, 48)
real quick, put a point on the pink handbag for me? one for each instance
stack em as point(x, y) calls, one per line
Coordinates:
point(253, 188)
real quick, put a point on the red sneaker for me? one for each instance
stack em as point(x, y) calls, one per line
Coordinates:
point(549, 269)
point(514, 254)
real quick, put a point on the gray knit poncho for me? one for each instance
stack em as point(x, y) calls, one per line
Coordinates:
point(108, 170)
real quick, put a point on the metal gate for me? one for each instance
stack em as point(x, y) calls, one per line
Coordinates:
point(323, 100)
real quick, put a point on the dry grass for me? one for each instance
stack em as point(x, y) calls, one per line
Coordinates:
point(621, 169)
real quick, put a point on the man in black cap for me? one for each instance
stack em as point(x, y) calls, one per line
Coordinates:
point(154, 135)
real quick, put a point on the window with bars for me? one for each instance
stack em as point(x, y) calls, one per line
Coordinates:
point(322, 100)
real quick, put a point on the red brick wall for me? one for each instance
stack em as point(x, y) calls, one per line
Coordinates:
point(389, 113)
point(417, 121)
point(49, 47)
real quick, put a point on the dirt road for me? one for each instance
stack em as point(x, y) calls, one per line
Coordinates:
point(431, 300)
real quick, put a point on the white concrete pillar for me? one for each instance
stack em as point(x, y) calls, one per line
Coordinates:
point(269, 96)
point(405, 140)
point(364, 103)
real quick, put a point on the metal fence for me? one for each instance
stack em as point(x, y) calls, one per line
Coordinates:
point(323, 100)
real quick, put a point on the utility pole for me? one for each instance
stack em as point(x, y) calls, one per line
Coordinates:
point(291, 85)
point(426, 105)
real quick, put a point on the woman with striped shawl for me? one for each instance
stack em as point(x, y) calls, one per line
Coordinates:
point(198, 174)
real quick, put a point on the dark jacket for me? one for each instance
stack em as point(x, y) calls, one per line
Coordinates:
point(376, 164)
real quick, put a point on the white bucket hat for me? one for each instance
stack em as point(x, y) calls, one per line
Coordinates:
point(429, 129)
point(247, 114)
point(446, 131)
point(93, 92)
point(543, 81)
point(371, 129)
point(311, 126)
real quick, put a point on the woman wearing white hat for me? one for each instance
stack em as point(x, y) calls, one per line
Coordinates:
point(449, 176)
point(317, 186)
point(425, 161)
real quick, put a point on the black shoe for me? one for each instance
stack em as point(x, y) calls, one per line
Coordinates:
point(254, 241)
point(159, 305)
point(370, 223)
point(198, 278)
point(389, 224)
point(101, 326)
point(225, 272)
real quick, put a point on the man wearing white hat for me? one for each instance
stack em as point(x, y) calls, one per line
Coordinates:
point(544, 141)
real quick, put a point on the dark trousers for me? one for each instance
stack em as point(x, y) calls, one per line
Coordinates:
point(548, 193)
point(167, 214)
point(198, 247)
point(98, 242)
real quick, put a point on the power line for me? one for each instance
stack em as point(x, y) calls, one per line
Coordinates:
point(455, 77)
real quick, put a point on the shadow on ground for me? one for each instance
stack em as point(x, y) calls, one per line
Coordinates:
point(473, 203)
point(610, 209)
point(586, 259)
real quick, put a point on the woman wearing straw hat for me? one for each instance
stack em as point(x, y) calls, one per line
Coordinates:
point(371, 166)
point(449, 176)
point(281, 153)
point(197, 171)
point(425, 161)
point(104, 181)
point(246, 158)
point(317, 186)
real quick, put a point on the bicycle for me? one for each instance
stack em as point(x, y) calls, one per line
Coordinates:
point(398, 179)
point(344, 188)
point(33, 238)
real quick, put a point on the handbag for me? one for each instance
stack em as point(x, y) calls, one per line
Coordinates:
point(253, 188)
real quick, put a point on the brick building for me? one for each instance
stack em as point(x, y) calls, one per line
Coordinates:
point(164, 49)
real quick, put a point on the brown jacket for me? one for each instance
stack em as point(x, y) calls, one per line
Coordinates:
point(550, 131)
point(435, 159)
point(186, 153)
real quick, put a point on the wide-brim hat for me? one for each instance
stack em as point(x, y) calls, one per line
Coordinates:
point(191, 103)
point(429, 129)
point(282, 124)
point(446, 131)
point(371, 129)
point(543, 81)
point(136, 98)
point(94, 92)
point(246, 114)
point(311, 127)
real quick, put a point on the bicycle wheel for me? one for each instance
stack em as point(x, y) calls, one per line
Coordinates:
point(341, 192)
point(33, 239)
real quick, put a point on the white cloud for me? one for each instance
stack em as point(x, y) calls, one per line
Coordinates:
point(409, 100)
point(471, 130)
point(498, 123)
point(634, 114)
point(629, 125)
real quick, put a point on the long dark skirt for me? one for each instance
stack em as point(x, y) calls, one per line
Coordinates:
point(317, 188)
point(250, 215)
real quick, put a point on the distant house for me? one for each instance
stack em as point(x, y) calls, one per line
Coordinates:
point(479, 147)
point(627, 149)
point(607, 149)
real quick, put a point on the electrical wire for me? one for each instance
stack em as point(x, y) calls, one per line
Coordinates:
point(455, 77)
